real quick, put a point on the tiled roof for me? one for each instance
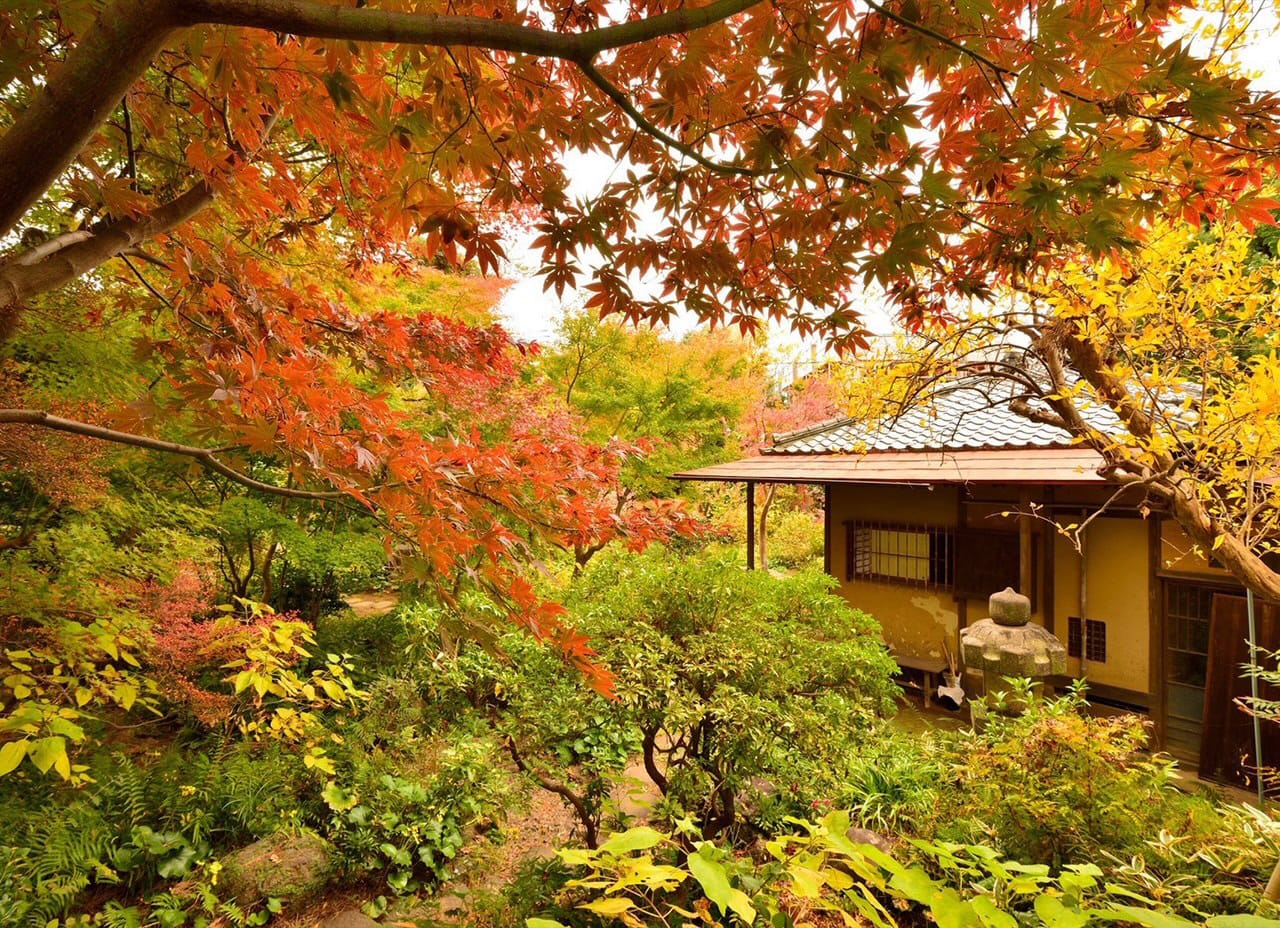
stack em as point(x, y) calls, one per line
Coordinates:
point(963, 417)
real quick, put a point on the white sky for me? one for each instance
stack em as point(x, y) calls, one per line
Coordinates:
point(530, 313)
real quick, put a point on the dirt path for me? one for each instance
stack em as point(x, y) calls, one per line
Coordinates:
point(535, 832)
point(367, 604)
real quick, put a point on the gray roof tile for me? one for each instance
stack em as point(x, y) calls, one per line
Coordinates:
point(971, 416)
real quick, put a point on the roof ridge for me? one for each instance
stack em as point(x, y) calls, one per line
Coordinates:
point(808, 430)
point(1067, 445)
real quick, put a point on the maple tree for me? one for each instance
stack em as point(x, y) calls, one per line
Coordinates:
point(1165, 363)
point(788, 148)
point(683, 396)
point(189, 157)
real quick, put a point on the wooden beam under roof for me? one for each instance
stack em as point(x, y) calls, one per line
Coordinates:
point(1005, 465)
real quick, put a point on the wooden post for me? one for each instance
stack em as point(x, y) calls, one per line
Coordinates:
point(751, 525)
point(1155, 646)
point(826, 529)
point(1049, 543)
point(1026, 565)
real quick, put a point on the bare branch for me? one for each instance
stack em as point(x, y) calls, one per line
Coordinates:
point(204, 456)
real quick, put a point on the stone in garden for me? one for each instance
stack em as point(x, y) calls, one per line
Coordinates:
point(866, 836)
point(452, 905)
point(288, 866)
point(352, 918)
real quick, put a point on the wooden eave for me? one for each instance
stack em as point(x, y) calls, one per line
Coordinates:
point(1004, 465)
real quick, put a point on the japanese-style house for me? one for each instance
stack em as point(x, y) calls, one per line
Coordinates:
point(928, 514)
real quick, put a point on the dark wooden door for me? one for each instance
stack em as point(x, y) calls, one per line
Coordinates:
point(1227, 742)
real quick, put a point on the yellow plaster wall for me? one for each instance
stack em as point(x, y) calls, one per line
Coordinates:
point(1178, 554)
point(1117, 592)
point(915, 620)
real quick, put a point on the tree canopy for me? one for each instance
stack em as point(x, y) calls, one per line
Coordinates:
point(208, 167)
point(788, 150)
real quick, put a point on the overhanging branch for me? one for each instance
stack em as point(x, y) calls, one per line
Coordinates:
point(206, 457)
point(29, 275)
point(620, 99)
point(1001, 71)
point(90, 82)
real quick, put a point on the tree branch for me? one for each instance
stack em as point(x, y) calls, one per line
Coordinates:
point(204, 456)
point(363, 24)
point(590, 822)
point(25, 277)
point(48, 247)
point(76, 99)
point(80, 94)
point(623, 102)
point(1000, 71)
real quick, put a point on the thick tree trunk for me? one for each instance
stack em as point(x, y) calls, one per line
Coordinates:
point(268, 585)
point(76, 99)
point(650, 745)
point(23, 278)
point(1158, 471)
point(1236, 556)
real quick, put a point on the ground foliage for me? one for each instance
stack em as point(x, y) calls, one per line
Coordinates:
point(219, 222)
point(645, 877)
point(739, 693)
point(209, 168)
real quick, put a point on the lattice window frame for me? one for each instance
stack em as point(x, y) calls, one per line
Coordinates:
point(1088, 636)
point(930, 568)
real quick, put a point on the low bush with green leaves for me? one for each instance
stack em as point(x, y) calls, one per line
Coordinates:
point(409, 825)
point(894, 785)
point(145, 824)
point(742, 693)
point(748, 689)
point(1056, 785)
point(819, 875)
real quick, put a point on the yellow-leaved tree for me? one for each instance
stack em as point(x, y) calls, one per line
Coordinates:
point(1179, 340)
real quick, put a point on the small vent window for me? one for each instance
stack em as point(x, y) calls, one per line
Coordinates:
point(1089, 638)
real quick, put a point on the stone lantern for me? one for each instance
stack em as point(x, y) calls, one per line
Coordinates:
point(1009, 645)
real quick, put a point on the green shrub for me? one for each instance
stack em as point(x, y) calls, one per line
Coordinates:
point(742, 692)
point(534, 890)
point(1057, 786)
point(378, 642)
point(564, 736)
point(892, 786)
point(1211, 859)
point(744, 687)
point(141, 825)
point(409, 825)
point(795, 539)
